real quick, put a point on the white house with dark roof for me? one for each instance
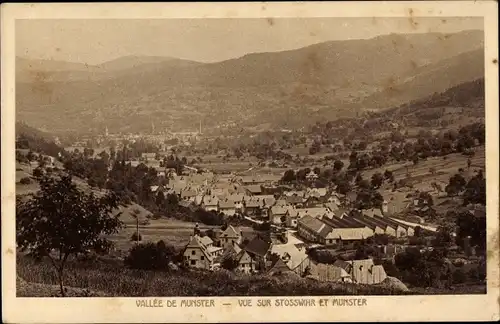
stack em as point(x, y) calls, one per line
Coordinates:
point(200, 253)
point(230, 236)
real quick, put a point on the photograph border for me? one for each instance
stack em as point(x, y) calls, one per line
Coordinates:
point(124, 310)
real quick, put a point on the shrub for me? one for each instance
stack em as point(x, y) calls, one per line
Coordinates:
point(148, 256)
point(25, 181)
point(135, 238)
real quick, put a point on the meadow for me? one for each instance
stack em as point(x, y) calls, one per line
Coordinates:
point(110, 278)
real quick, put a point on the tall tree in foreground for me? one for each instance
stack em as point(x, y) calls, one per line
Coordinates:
point(61, 220)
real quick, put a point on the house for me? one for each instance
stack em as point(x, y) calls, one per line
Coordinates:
point(267, 200)
point(315, 212)
point(329, 273)
point(294, 214)
point(277, 213)
point(230, 236)
point(227, 208)
point(246, 263)
point(296, 201)
point(210, 203)
point(258, 249)
point(281, 203)
point(188, 194)
point(148, 156)
point(278, 266)
point(346, 236)
point(253, 189)
point(372, 212)
point(402, 229)
point(295, 257)
point(294, 193)
point(200, 253)
point(252, 208)
point(237, 199)
point(317, 192)
point(309, 228)
point(198, 200)
point(366, 272)
point(378, 226)
point(331, 206)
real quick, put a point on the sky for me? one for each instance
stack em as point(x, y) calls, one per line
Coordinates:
point(94, 41)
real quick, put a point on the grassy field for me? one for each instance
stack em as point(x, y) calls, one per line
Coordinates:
point(112, 279)
point(444, 168)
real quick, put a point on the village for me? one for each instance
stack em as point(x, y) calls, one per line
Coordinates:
point(297, 221)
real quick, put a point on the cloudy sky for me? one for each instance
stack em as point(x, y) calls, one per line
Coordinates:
point(95, 41)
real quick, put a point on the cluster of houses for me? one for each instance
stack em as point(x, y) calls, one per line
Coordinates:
point(347, 230)
point(257, 254)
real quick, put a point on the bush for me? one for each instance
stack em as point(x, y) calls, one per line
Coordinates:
point(148, 256)
point(25, 181)
point(134, 237)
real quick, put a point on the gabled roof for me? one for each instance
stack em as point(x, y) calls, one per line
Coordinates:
point(372, 222)
point(226, 204)
point(342, 223)
point(206, 240)
point(281, 202)
point(392, 222)
point(254, 188)
point(235, 197)
point(296, 255)
point(294, 193)
point(252, 204)
point(257, 246)
point(348, 233)
point(332, 206)
point(313, 224)
point(230, 232)
point(243, 257)
point(279, 266)
point(184, 203)
point(295, 199)
point(276, 210)
point(329, 272)
point(314, 212)
point(188, 193)
point(210, 201)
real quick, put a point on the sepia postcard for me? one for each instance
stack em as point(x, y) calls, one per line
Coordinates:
point(250, 162)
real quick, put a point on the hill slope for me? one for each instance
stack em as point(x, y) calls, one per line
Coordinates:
point(284, 88)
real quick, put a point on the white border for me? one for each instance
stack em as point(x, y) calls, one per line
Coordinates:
point(109, 310)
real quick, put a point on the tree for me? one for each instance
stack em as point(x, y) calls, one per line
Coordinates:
point(229, 263)
point(160, 199)
point(377, 180)
point(443, 237)
point(475, 191)
point(338, 165)
point(38, 172)
point(149, 256)
point(61, 220)
point(468, 225)
point(456, 185)
point(289, 176)
point(25, 181)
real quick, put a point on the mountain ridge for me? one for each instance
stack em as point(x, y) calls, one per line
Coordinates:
point(294, 85)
